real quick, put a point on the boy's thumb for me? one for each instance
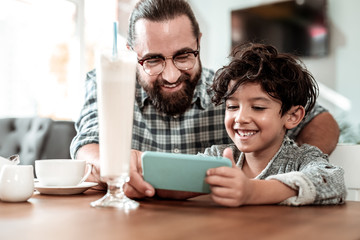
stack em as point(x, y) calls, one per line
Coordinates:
point(229, 154)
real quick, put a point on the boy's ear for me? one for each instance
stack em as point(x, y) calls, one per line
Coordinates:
point(294, 116)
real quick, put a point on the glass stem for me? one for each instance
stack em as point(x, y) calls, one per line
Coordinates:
point(115, 196)
point(115, 188)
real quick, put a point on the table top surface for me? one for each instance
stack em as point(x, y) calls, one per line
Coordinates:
point(72, 217)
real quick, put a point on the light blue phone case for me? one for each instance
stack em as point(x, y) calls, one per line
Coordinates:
point(181, 172)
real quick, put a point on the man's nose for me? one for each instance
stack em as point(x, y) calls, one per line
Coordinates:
point(171, 73)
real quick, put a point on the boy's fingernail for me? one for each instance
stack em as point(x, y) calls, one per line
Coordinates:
point(148, 193)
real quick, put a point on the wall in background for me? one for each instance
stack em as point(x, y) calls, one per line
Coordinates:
point(336, 73)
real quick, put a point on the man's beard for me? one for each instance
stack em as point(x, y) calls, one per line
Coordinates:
point(172, 103)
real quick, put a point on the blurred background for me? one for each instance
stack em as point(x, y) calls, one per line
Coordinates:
point(46, 48)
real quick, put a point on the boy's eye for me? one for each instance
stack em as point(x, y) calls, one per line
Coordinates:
point(258, 108)
point(231, 107)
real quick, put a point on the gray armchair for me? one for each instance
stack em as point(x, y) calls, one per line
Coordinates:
point(35, 138)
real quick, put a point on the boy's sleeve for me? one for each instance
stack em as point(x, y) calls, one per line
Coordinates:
point(317, 182)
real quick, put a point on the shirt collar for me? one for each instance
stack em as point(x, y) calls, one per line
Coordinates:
point(286, 141)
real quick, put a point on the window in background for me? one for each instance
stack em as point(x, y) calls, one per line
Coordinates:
point(39, 57)
point(46, 49)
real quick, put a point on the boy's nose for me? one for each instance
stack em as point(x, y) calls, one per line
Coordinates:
point(242, 116)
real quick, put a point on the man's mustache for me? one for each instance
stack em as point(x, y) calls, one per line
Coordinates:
point(182, 78)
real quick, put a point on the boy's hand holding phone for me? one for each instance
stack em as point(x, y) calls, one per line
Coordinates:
point(223, 189)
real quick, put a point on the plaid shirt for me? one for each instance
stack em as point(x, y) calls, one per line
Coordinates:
point(201, 126)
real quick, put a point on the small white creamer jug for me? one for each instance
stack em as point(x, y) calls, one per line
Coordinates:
point(16, 183)
point(12, 160)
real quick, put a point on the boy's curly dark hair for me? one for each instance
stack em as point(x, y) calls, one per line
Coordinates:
point(283, 76)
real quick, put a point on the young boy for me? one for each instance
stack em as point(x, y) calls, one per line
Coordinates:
point(267, 93)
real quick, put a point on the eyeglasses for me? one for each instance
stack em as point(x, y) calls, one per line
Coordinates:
point(156, 64)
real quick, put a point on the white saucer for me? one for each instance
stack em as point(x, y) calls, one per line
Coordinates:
point(64, 190)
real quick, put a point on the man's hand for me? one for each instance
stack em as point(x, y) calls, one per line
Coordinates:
point(322, 131)
point(137, 187)
point(90, 153)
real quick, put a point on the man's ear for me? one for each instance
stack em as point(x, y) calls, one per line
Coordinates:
point(199, 38)
point(294, 116)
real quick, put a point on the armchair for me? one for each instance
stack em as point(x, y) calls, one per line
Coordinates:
point(35, 138)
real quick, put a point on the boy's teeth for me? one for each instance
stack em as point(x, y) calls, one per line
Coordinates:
point(246, 134)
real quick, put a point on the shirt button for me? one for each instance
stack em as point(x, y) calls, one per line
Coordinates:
point(176, 150)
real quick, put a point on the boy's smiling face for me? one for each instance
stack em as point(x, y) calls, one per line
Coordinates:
point(253, 120)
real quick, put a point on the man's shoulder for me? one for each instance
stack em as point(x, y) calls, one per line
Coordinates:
point(202, 87)
point(207, 75)
point(206, 79)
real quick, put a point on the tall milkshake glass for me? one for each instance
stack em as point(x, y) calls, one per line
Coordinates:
point(115, 94)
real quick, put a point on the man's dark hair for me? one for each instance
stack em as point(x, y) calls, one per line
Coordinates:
point(160, 10)
point(283, 76)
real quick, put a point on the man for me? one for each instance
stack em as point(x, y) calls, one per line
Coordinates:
point(173, 111)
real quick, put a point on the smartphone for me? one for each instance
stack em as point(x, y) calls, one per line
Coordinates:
point(180, 172)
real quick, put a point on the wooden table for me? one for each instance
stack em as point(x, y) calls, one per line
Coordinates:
point(71, 217)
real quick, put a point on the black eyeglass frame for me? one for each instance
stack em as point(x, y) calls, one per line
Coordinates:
point(195, 52)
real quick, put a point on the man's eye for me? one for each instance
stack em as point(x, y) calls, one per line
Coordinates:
point(153, 61)
point(182, 57)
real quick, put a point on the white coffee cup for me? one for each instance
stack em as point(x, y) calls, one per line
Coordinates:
point(62, 172)
point(16, 183)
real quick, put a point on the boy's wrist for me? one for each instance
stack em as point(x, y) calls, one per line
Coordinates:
point(268, 192)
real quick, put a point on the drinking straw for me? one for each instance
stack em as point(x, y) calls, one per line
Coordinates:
point(115, 51)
